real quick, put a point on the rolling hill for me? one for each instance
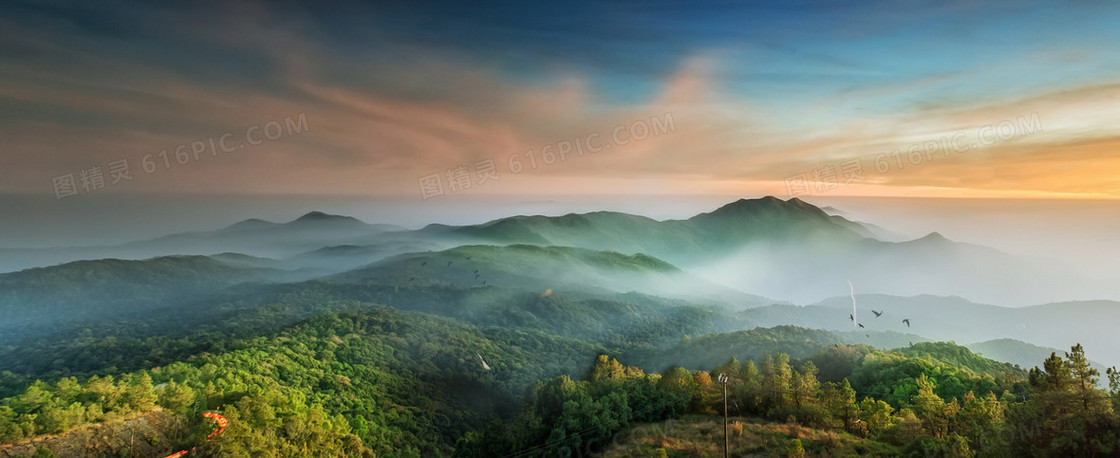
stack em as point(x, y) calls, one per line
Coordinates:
point(793, 251)
point(787, 250)
point(50, 299)
point(255, 237)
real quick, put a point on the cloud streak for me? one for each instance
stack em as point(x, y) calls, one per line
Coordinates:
point(424, 94)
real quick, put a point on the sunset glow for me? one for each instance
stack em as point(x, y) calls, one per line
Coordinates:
point(756, 94)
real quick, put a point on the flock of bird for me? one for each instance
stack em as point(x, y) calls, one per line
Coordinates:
point(852, 316)
point(878, 313)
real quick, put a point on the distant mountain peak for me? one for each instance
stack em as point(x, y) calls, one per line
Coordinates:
point(767, 203)
point(755, 201)
point(935, 237)
point(751, 218)
point(318, 216)
point(250, 224)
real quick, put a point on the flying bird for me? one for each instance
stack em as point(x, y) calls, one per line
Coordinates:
point(850, 317)
point(468, 258)
point(911, 344)
point(852, 289)
point(861, 325)
point(877, 314)
point(484, 365)
point(449, 263)
point(484, 282)
point(907, 321)
point(424, 263)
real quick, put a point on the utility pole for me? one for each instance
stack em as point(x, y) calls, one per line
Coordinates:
point(723, 380)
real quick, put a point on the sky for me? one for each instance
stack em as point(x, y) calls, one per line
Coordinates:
point(458, 101)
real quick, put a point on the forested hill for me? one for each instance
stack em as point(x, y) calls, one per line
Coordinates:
point(412, 384)
point(395, 382)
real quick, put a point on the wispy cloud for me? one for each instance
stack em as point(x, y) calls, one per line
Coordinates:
point(392, 94)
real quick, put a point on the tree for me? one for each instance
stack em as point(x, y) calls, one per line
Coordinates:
point(906, 428)
point(1114, 387)
point(176, 398)
point(605, 368)
point(841, 401)
point(703, 396)
point(140, 395)
point(746, 395)
point(877, 414)
point(731, 368)
point(677, 379)
point(1084, 378)
point(67, 390)
point(103, 391)
point(776, 378)
point(978, 417)
point(10, 431)
point(34, 398)
point(1072, 416)
point(934, 412)
point(1055, 375)
point(556, 392)
point(806, 386)
point(56, 418)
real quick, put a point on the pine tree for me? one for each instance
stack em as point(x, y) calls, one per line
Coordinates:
point(807, 386)
point(745, 396)
point(777, 376)
point(1114, 387)
point(934, 412)
point(67, 390)
point(731, 368)
point(33, 399)
point(1084, 378)
point(979, 415)
point(841, 401)
point(1073, 416)
point(140, 395)
point(10, 431)
point(877, 414)
point(176, 398)
point(783, 379)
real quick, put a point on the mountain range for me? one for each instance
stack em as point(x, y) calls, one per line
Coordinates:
point(413, 341)
point(742, 265)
